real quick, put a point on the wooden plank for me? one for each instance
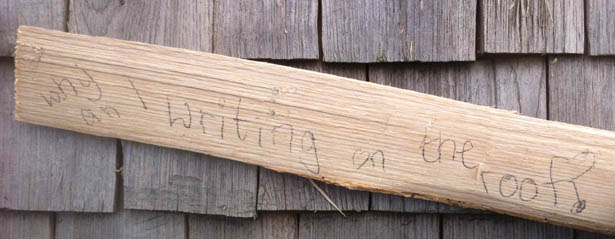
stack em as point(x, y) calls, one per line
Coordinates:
point(49, 169)
point(183, 24)
point(600, 30)
point(499, 226)
point(369, 225)
point(581, 91)
point(44, 13)
point(546, 26)
point(32, 225)
point(266, 29)
point(267, 225)
point(332, 119)
point(157, 178)
point(507, 83)
point(399, 30)
point(121, 225)
point(278, 191)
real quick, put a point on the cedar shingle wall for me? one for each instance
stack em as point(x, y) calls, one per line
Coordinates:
point(534, 57)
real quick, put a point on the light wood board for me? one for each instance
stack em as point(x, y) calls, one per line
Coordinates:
point(356, 134)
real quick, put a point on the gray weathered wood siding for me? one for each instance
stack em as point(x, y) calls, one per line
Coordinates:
point(21, 224)
point(43, 13)
point(157, 178)
point(267, 29)
point(121, 225)
point(582, 90)
point(507, 83)
point(369, 225)
point(46, 169)
point(552, 59)
point(398, 30)
point(278, 191)
point(268, 225)
point(600, 30)
point(183, 24)
point(528, 26)
point(499, 226)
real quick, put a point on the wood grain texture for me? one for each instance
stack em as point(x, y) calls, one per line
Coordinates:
point(507, 83)
point(160, 178)
point(352, 71)
point(582, 91)
point(517, 84)
point(369, 225)
point(498, 226)
point(126, 224)
point(393, 203)
point(157, 178)
point(44, 13)
point(266, 226)
point(183, 24)
point(600, 31)
point(591, 235)
point(527, 26)
point(280, 191)
point(32, 225)
point(266, 29)
point(47, 169)
point(326, 127)
point(399, 30)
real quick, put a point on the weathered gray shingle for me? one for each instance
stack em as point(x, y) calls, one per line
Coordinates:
point(42, 13)
point(48, 169)
point(506, 83)
point(369, 225)
point(32, 225)
point(385, 202)
point(278, 191)
point(398, 30)
point(591, 235)
point(582, 91)
point(157, 178)
point(600, 30)
point(267, 225)
point(121, 225)
point(266, 29)
point(531, 26)
point(499, 226)
point(183, 24)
